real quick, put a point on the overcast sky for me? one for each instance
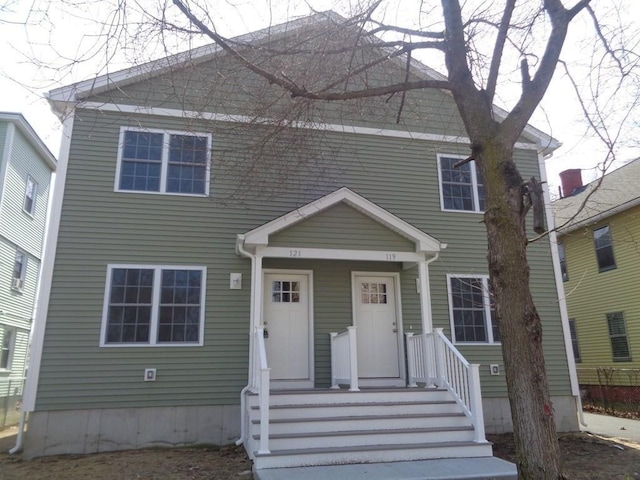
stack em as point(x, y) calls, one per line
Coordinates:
point(27, 35)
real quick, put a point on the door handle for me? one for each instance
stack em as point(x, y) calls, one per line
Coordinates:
point(265, 333)
point(395, 330)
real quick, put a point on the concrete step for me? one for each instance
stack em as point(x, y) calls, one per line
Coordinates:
point(328, 396)
point(370, 454)
point(389, 421)
point(358, 438)
point(321, 410)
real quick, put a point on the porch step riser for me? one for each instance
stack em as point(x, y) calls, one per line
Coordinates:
point(363, 423)
point(344, 397)
point(372, 456)
point(367, 439)
point(324, 411)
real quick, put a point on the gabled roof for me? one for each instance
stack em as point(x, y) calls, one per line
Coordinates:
point(424, 243)
point(60, 98)
point(32, 137)
point(618, 192)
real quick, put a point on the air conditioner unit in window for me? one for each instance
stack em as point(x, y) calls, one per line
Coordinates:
point(18, 283)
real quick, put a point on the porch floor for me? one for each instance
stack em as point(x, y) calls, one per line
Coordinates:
point(484, 468)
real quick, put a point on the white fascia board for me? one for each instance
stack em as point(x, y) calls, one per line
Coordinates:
point(424, 243)
point(32, 137)
point(339, 254)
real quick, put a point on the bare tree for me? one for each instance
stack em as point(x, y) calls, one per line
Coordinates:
point(476, 42)
point(473, 78)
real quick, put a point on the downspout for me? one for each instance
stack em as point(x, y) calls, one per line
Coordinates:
point(562, 303)
point(243, 394)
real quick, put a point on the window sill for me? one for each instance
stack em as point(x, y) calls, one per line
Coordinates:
point(30, 215)
point(17, 290)
point(169, 194)
point(607, 269)
point(619, 360)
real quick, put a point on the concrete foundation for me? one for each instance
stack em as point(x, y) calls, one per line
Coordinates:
point(106, 430)
point(497, 414)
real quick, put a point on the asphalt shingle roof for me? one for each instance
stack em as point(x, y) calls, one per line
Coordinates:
point(618, 191)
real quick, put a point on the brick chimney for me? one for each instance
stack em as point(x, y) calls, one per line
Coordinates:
point(571, 180)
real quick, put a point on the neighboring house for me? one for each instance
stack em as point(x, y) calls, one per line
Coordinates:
point(600, 251)
point(26, 167)
point(209, 265)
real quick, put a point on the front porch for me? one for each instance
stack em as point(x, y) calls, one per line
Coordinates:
point(340, 372)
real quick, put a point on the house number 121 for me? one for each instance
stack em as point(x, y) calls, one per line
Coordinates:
point(295, 253)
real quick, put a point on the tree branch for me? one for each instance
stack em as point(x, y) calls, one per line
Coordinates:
point(498, 49)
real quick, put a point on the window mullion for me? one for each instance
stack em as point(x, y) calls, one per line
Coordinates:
point(474, 187)
point(155, 306)
point(164, 169)
point(487, 309)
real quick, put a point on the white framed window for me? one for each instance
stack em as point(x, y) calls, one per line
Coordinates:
point(471, 309)
point(461, 189)
point(19, 271)
point(6, 348)
point(163, 161)
point(620, 351)
point(30, 195)
point(147, 305)
point(604, 249)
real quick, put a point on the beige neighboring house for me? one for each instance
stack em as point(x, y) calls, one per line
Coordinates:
point(599, 245)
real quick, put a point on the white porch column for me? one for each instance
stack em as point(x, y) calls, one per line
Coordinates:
point(256, 321)
point(425, 296)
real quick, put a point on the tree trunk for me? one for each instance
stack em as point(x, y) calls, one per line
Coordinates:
point(518, 320)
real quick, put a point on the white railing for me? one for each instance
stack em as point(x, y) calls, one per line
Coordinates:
point(344, 359)
point(434, 360)
point(262, 386)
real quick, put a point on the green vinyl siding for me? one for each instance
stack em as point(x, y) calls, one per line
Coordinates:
point(100, 227)
point(592, 294)
point(357, 231)
point(3, 140)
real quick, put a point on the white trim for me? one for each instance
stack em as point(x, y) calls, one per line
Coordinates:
point(305, 383)
point(424, 243)
point(155, 305)
point(6, 157)
point(49, 254)
point(474, 184)
point(562, 301)
point(425, 296)
point(326, 127)
point(34, 196)
point(31, 135)
point(164, 160)
point(488, 324)
point(383, 382)
point(339, 254)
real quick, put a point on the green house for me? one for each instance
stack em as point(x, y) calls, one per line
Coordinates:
point(26, 167)
point(600, 268)
point(232, 264)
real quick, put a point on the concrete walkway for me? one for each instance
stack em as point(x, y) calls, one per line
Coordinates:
point(488, 468)
point(612, 426)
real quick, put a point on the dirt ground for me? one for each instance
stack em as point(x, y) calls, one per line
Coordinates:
point(585, 456)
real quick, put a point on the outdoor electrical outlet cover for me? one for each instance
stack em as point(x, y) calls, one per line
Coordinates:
point(149, 374)
point(235, 281)
point(495, 369)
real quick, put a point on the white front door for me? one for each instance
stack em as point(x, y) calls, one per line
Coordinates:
point(287, 325)
point(377, 327)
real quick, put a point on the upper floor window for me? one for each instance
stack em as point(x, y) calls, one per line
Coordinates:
point(563, 262)
point(6, 350)
point(471, 310)
point(164, 162)
point(618, 336)
point(19, 271)
point(461, 188)
point(574, 339)
point(604, 248)
point(29, 204)
point(147, 305)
